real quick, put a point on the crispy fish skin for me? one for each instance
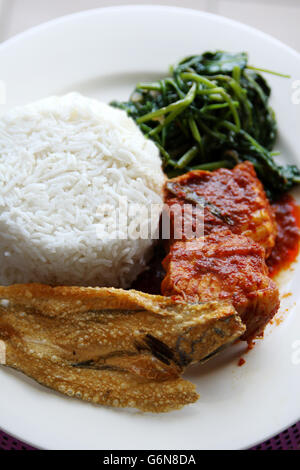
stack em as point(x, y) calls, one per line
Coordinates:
point(109, 346)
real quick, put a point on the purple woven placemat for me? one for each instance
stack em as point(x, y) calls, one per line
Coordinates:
point(10, 443)
point(287, 440)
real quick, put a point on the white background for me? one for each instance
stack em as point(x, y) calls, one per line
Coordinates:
point(280, 18)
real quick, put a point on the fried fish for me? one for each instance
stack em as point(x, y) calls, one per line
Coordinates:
point(110, 346)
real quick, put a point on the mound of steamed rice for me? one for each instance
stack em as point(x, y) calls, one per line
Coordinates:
point(62, 161)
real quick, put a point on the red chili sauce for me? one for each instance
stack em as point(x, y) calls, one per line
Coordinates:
point(287, 244)
point(282, 256)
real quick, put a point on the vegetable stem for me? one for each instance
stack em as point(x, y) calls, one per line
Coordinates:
point(257, 69)
point(187, 158)
point(183, 103)
point(212, 112)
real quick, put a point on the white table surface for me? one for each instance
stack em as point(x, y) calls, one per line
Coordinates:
point(280, 18)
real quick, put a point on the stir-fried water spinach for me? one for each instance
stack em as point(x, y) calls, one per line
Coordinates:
point(211, 112)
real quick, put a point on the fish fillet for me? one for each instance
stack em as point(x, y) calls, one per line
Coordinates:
point(232, 199)
point(109, 346)
point(223, 266)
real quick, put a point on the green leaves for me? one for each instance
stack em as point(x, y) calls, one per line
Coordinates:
point(213, 111)
point(211, 63)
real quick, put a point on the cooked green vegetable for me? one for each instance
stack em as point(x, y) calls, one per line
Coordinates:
point(212, 112)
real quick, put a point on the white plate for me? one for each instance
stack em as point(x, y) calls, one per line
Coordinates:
point(103, 53)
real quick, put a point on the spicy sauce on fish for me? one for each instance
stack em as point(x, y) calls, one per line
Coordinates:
point(284, 253)
point(287, 244)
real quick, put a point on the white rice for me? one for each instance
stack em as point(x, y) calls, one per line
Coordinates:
point(61, 159)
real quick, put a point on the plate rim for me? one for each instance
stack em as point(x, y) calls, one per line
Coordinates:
point(224, 19)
